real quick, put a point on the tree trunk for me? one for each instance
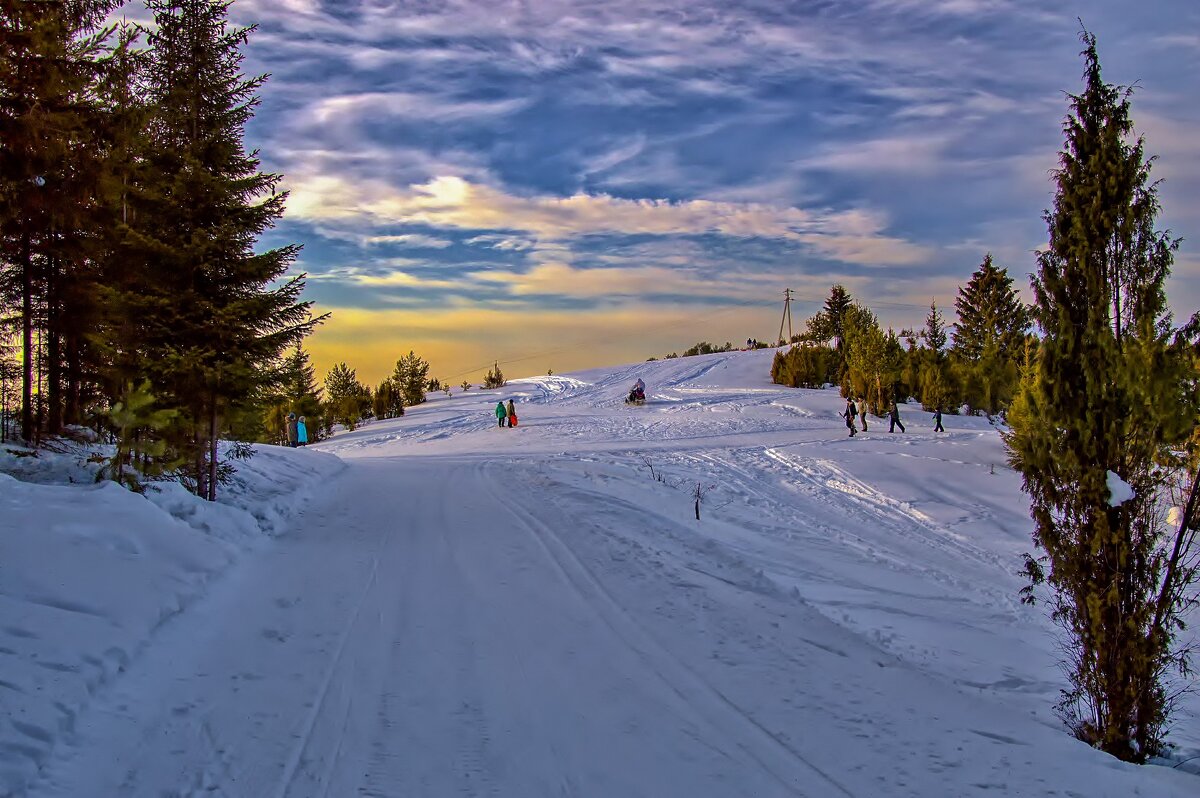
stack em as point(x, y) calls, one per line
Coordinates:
point(74, 413)
point(53, 353)
point(212, 452)
point(26, 338)
point(200, 449)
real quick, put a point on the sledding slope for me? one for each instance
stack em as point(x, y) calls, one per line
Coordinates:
point(537, 611)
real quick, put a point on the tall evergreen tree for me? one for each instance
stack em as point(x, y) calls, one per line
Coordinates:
point(340, 382)
point(299, 375)
point(409, 378)
point(1107, 398)
point(989, 336)
point(990, 313)
point(49, 62)
point(830, 323)
point(874, 359)
point(935, 330)
point(213, 315)
point(932, 378)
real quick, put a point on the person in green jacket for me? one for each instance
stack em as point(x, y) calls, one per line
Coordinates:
point(501, 412)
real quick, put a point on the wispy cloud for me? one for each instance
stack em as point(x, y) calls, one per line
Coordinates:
point(415, 240)
point(453, 203)
point(542, 153)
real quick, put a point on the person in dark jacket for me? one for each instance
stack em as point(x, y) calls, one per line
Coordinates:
point(512, 414)
point(501, 413)
point(293, 432)
point(937, 420)
point(849, 415)
point(894, 418)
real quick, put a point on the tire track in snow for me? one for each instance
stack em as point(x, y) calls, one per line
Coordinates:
point(297, 754)
point(759, 743)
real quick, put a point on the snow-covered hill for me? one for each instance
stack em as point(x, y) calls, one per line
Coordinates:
point(536, 611)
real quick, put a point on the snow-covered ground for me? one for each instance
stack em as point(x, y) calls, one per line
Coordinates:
point(468, 610)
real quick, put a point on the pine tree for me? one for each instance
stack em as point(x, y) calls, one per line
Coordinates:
point(299, 375)
point(494, 378)
point(409, 378)
point(388, 401)
point(215, 315)
point(1107, 395)
point(932, 377)
point(989, 336)
point(874, 359)
point(49, 61)
point(140, 448)
point(340, 382)
point(990, 313)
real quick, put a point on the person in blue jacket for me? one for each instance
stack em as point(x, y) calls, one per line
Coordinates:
point(501, 413)
point(301, 432)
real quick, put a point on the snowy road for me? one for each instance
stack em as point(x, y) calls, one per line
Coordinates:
point(470, 654)
point(466, 611)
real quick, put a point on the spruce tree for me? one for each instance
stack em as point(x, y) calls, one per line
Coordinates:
point(299, 375)
point(215, 315)
point(989, 336)
point(1106, 397)
point(990, 312)
point(932, 369)
point(50, 53)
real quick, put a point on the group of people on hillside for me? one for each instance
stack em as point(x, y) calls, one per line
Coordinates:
point(297, 431)
point(860, 410)
point(506, 414)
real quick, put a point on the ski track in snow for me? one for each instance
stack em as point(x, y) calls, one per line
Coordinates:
point(474, 611)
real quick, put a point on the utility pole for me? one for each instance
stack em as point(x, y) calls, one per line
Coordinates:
point(787, 314)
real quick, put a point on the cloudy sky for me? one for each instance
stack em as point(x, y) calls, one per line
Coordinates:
point(558, 183)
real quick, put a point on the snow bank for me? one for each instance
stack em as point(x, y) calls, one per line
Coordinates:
point(89, 571)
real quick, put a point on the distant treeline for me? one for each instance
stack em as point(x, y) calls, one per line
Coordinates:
point(972, 364)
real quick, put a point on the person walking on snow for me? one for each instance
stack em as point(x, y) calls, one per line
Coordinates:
point(301, 432)
point(292, 431)
point(937, 420)
point(849, 415)
point(501, 412)
point(894, 416)
point(862, 412)
point(512, 414)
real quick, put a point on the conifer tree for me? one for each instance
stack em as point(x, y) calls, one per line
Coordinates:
point(340, 382)
point(990, 313)
point(874, 359)
point(49, 59)
point(933, 380)
point(989, 335)
point(494, 378)
point(299, 375)
point(1106, 398)
point(409, 378)
point(215, 315)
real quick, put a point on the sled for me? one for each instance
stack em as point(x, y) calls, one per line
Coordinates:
point(512, 421)
point(629, 401)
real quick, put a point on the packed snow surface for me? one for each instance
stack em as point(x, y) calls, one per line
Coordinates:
point(473, 610)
